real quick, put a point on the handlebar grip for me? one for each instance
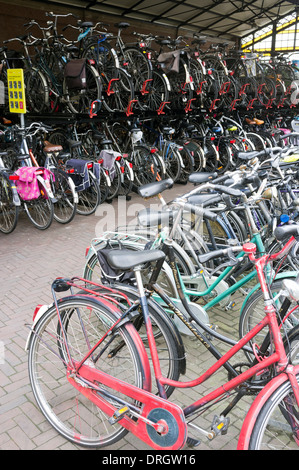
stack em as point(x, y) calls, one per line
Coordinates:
point(217, 253)
point(200, 211)
point(228, 190)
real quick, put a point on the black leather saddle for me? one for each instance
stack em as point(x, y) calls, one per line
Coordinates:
point(153, 189)
point(204, 177)
point(151, 218)
point(128, 259)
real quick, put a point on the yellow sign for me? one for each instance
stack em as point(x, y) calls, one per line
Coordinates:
point(16, 91)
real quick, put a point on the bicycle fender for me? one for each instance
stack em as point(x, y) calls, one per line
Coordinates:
point(258, 403)
point(40, 312)
point(286, 275)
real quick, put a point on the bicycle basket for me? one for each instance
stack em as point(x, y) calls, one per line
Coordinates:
point(75, 73)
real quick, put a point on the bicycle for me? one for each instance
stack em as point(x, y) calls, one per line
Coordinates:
point(9, 199)
point(129, 405)
point(39, 207)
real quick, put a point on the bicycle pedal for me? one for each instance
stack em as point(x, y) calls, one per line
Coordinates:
point(118, 415)
point(230, 306)
point(193, 442)
point(220, 425)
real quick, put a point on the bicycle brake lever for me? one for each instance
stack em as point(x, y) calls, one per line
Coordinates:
point(233, 261)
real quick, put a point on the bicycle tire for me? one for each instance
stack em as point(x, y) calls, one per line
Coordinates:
point(127, 179)
point(40, 211)
point(144, 165)
point(173, 161)
point(65, 207)
point(80, 100)
point(115, 181)
point(273, 423)
point(167, 337)
point(156, 92)
point(197, 153)
point(188, 164)
point(104, 56)
point(9, 211)
point(138, 66)
point(119, 93)
point(90, 198)
point(47, 356)
point(254, 310)
point(37, 90)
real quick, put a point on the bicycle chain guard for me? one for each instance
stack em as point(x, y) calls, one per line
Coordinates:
point(161, 424)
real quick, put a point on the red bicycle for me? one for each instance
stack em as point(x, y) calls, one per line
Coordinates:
point(91, 377)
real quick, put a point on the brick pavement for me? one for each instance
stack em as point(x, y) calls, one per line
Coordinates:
point(29, 261)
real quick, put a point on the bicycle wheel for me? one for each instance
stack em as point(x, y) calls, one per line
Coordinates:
point(65, 207)
point(40, 211)
point(115, 181)
point(80, 100)
point(89, 198)
point(254, 311)
point(104, 185)
point(118, 92)
point(276, 425)
point(173, 161)
point(104, 56)
point(9, 212)
point(37, 91)
point(138, 67)
point(188, 164)
point(197, 154)
point(69, 411)
point(144, 165)
point(225, 156)
point(127, 179)
point(156, 92)
point(211, 156)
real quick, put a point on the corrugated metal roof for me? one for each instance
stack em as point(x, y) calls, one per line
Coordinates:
point(227, 19)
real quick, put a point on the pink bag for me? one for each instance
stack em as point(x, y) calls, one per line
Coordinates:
point(27, 185)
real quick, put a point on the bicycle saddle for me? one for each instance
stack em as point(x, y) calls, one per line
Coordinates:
point(198, 178)
point(86, 24)
point(151, 218)
point(122, 24)
point(128, 259)
point(49, 148)
point(152, 189)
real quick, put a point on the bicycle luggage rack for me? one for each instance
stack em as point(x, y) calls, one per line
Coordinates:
point(60, 285)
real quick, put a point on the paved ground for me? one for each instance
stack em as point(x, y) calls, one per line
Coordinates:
point(29, 261)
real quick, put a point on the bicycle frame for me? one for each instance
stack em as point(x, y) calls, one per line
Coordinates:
point(150, 429)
